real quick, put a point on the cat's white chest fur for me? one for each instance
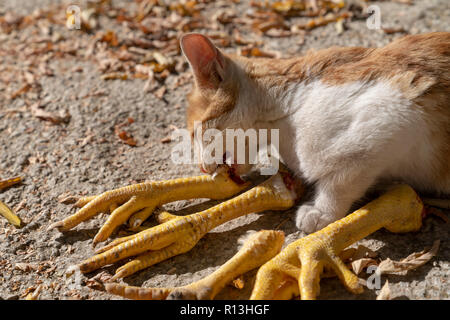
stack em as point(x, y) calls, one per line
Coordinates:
point(346, 137)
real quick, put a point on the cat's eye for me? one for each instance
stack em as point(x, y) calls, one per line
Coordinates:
point(219, 77)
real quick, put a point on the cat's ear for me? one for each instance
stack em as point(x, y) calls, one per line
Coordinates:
point(206, 61)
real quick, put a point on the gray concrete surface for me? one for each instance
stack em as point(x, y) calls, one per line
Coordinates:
point(85, 157)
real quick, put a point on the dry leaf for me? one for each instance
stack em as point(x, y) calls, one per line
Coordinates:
point(150, 84)
point(115, 76)
point(94, 284)
point(74, 294)
point(145, 7)
point(29, 78)
point(25, 267)
point(163, 60)
point(267, 25)
point(278, 33)
point(9, 182)
point(293, 8)
point(110, 37)
point(21, 91)
point(70, 249)
point(97, 281)
point(103, 276)
point(166, 139)
point(408, 2)
point(360, 264)
point(89, 19)
point(45, 70)
point(238, 283)
point(256, 52)
point(27, 291)
point(124, 136)
point(160, 92)
point(238, 39)
point(21, 205)
point(37, 112)
point(359, 258)
point(385, 292)
point(224, 16)
point(361, 252)
point(9, 215)
point(289, 7)
point(34, 295)
point(140, 68)
point(393, 30)
point(322, 21)
point(411, 262)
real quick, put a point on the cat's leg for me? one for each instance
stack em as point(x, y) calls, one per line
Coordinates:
point(332, 200)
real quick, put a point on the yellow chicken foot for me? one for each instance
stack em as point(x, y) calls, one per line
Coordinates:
point(302, 262)
point(139, 200)
point(161, 217)
point(257, 249)
point(179, 234)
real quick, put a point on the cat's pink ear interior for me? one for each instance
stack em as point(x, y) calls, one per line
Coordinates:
point(205, 59)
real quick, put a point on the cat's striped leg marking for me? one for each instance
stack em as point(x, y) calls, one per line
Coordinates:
point(138, 201)
point(258, 249)
point(179, 234)
point(302, 262)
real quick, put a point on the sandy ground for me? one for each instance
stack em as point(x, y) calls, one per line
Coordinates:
point(84, 156)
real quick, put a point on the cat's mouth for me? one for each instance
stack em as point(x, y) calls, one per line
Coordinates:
point(231, 171)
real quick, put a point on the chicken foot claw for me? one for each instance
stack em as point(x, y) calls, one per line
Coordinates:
point(301, 263)
point(180, 234)
point(138, 201)
point(258, 249)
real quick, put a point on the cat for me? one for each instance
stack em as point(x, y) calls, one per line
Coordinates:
point(348, 116)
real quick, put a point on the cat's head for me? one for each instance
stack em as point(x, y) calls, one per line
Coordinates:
point(223, 93)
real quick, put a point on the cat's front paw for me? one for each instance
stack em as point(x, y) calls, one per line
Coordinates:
point(310, 219)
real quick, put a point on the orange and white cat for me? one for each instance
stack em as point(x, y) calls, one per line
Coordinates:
point(348, 117)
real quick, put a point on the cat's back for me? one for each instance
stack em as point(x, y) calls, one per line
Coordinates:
point(417, 67)
point(414, 64)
